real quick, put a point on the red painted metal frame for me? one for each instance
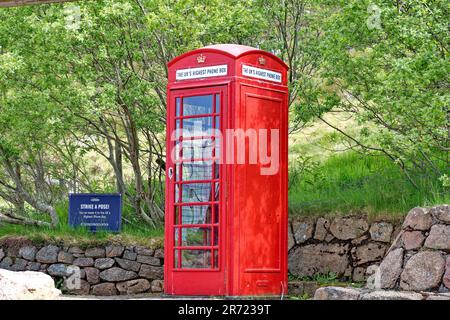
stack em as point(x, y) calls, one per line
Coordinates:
point(241, 270)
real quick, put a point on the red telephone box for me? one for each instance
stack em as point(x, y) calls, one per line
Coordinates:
point(226, 186)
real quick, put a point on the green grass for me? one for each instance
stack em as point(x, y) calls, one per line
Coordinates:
point(352, 183)
point(133, 232)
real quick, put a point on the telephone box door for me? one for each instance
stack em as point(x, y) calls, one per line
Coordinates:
point(195, 223)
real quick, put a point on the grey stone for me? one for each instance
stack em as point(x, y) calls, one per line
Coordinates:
point(148, 260)
point(104, 289)
point(157, 286)
point(446, 279)
point(348, 228)
point(58, 270)
point(19, 265)
point(329, 237)
point(92, 275)
point(303, 231)
point(83, 288)
point(359, 274)
point(151, 272)
point(291, 241)
point(439, 237)
point(133, 286)
point(418, 219)
point(76, 250)
point(2, 254)
point(390, 269)
point(423, 271)
point(441, 213)
point(65, 257)
point(128, 264)
point(129, 255)
point(48, 254)
point(444, 297)
point(159, 253)
point(322, 226)
point(301, 288)
point(28, 253)
point(6, 263)
point(104, 263)
point(83, 262)
point(381, 231)
point(412, 239)
point(114, 251)
point(144, 251)
point(95, 253)
point(117, 274)
point(368, 253)
point(318, 258)
point(391, 295)
point(336, 293)
point(359, 240)
point(33, 266)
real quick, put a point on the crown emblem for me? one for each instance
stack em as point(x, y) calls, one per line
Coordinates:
point(201, 58)
point(262, 60)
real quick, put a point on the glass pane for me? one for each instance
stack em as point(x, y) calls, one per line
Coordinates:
point(216, 259)
point(196, 192)
point(196, 214)
point(197, 127)
point(217, 103)
point(216, 236)
point(217, 125)
point(177, 215)
point(216, 191)
point(178, 107)
point(196, 170)
point(196, 259)
point(175, 262)
point(194, 236)
point(197, 149)
point(216, 213)
point(177, 193)
point(197, 105)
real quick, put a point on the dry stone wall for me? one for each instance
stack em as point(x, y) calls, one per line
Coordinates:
point(346, 246)
point(419, 258)
point(104, 271)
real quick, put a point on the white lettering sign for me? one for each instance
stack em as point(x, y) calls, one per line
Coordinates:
point(203, 72)
point(261, 73)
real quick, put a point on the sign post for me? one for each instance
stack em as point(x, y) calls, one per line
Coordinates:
point(95, 211)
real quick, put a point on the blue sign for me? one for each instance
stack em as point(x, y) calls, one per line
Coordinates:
point(95, 211)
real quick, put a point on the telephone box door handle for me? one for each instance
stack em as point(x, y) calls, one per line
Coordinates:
point(170, 173)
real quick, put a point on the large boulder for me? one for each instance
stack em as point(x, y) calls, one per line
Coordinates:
point(418, 219)
point(348, 228)
point(412, 240)
point(441, 213)
point(423, 271)
point(27, 285)
point(446, 278)
point(390, 269)
point(336, 293)
point(439, 237)
point(319, 258)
